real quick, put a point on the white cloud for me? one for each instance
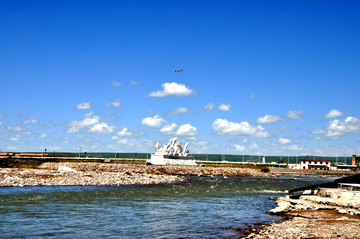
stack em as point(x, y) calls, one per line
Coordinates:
point(183, 130)
point(244, 141)
point(252, 96)
point(334, 150)
point(88, 121)
point(281, 129)
point(154, 122)
point(133, 83)
point(334, 114)
point(268, 119)
point(224, 127)
point(296, 114)
point(124, 133)
point(18, 129)
point(72, 130)
point(224, 107)
point(253, 146)
point(169, 129)
point(43, 135)
point(11, 148)
point(284, 141)
point(30, 121)
point(239, 148)
point(115, 103)
point(173, 89)
point(296, 147)
point(115, 83)
point(209, 106)
point(318, 131)
point(180, 110)
point(83, 106)
point(14, 139)
point(123, 141)
point(89, 115)
point(101, 128)
point(187, 130)
point(337, 127)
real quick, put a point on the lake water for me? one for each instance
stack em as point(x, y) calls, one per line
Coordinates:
point(205, 207)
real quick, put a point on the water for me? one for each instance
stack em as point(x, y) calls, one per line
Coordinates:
point(206, 207)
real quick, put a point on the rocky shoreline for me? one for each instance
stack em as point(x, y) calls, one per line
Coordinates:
point(90, 173)
point(324, 213)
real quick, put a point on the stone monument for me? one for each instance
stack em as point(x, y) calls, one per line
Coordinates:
point(171, 153)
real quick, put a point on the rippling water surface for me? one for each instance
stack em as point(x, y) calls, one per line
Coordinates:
point(205, 207)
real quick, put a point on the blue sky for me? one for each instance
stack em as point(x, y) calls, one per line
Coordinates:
point(259, 77)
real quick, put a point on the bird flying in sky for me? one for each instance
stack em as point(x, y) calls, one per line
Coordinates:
point(178, 71)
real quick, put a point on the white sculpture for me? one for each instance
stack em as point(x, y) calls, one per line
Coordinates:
point(171, 153)
point(173, 148)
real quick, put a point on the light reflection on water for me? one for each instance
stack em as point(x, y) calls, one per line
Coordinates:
point(205, 207)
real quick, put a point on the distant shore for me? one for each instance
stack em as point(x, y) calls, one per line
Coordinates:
point(90, 173)
point(94, 173)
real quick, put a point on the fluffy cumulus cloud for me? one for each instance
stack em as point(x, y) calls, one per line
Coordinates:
point(334, 114)
point(153, 122)
point(239, 148)
point(83, 106)
point(209, 106)
point(183, 130)
point(101, 128)
point(224, 107)
point(268, 119)
point(91, 122)
point(115, 103)
point(180, 110)
point(224, 127)
point(284, 141)
point(187, 130)
point(169, 129)
point(338, 127)
point(88, 121)
point(296, 114)
point(124, 133)
point(173, 89)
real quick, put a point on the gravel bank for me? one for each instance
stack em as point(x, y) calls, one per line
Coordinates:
point(323, 213)
point(51, 174)
point(311, 224)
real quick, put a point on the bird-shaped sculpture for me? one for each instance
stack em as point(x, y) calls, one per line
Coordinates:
point(178, 71)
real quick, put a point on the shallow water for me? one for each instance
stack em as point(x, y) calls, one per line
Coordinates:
point(205, 207)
